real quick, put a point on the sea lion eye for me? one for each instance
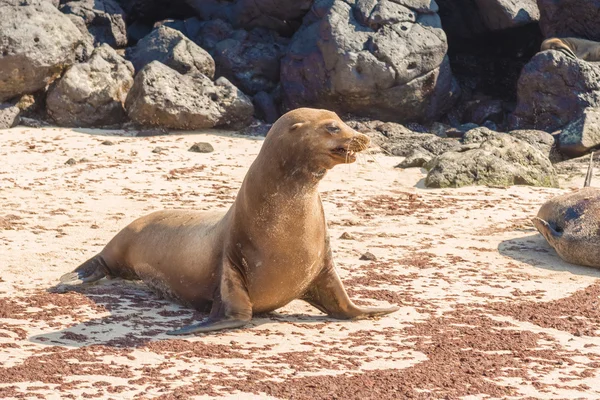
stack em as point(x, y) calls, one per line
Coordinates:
point(332, 128)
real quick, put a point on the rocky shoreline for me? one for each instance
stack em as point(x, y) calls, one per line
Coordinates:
point(403, 70)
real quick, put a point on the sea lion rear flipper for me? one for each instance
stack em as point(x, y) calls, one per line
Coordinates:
point(551, 234)
point(327, 293)
point(231, 305)
point(90, 271)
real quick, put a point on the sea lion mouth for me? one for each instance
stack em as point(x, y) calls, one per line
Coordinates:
point(349, 155)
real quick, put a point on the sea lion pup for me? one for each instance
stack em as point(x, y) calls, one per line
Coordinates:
point(570, 224)
point(269, 248)
point(587, 50)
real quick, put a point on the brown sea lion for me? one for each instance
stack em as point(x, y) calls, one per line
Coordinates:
point(269, 248)
point(587, 50)
point(571, 224)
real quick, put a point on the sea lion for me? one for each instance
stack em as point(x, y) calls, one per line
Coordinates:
point(587, 50)
point(269, 248)
point(570, 223)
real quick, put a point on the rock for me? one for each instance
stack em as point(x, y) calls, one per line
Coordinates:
point(566, 18)
point(161, 96)
point(378, 59)
point(418, 157)
point(505, 14)
point(104, 19)
point(543, 141)
point(108, 143)
point(265, 107)
point(159, 150)
point(249, 59)
point(478, 111)
point(478, 135)
point(37, 43)
point(394, 139)
point(92, 93)
point(368, 257)
point(71, 161)
point(582, 135)
point(495, 159)
point(9, 116)
point(347, 236)
point(256, 128)
point(553, 90)
point(173, 49)
point(33, 123)
point(202, 147)
point(283, 16)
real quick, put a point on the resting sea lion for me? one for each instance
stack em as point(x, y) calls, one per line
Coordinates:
point(571, 222)
point(269, 248)
point(587, 50)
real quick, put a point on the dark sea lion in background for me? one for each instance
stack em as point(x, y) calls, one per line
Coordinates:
point(269, 248)
point(587, 50)
point(571, 224)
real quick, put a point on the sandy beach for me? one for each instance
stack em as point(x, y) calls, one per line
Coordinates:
point(487, 308)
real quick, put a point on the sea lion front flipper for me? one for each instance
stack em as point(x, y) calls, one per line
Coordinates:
point(327, 293)
point(551, 234)
point(231, 306)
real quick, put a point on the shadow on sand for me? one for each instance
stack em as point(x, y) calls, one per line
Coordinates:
point(138, 316)
point(535, 250)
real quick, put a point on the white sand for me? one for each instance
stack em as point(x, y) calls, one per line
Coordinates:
point(480, 240)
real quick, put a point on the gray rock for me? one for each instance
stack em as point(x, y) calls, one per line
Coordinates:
point(478, 111)
point(173, 49)
point(504, 14)
point(553, 90)
point(283, 16)
point(265, 107)
point(37, 42)
point(498, 160)
point(582, 135)
point(202, 147)
point(543, 141)
point(566, 18)
point(161, 96)
point(104, 19)
point(9, 116)
point(372, 58)
point(418, 157)
point(92, 93)
point(249, 59)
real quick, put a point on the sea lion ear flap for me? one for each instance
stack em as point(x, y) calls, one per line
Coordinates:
point(296, 126)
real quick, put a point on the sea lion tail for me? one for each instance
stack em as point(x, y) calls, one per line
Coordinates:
point(590, 171)
point(551, 234)
point(90, 271)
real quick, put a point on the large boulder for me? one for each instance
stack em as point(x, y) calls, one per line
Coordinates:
point(161, 96)
point(9, 115)
point(565, 18)
point(105, 20)
point(505, 14)
point(37, 42)
point(543, 141)
point(173, 49)
point(249, 59)
point(374, 58)
point(283, 16)
point(581, 135)
point(553, 90)
point(92, 93)
point(491, 158)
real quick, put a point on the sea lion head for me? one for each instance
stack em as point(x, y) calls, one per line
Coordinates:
point(314, 139)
